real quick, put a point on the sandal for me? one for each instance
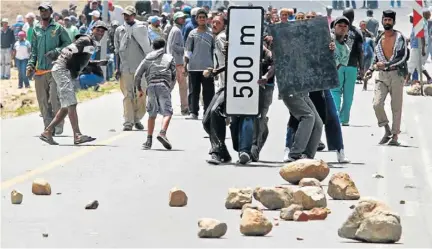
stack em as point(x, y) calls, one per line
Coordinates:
point(83, 139)
point(384, 140)
point(48, 140)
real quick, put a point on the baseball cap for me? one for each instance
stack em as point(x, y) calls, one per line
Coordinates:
point(67, 18)
point(129, 10)
point(72, 6)
point(342, 19)
point(194, 11)
point(154, 19)
point(45, 5)
point(100, 24)
point(22, 34)
point(95, 13)
point(5, 20)
point(178, 15)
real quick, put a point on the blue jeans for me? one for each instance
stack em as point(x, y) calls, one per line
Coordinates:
point(242, 131)
point(22, 78)
point(398, 3)
point(89, 80)
point(332, 126)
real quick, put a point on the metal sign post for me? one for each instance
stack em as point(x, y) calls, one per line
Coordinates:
point(418, 24)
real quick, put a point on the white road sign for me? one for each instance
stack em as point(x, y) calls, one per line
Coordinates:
point(243, 60)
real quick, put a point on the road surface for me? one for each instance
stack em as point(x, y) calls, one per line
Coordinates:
point(132, 185)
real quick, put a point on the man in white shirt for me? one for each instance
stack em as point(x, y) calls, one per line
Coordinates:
point(116, 12)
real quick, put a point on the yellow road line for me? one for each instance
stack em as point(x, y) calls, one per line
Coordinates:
point(61, 161)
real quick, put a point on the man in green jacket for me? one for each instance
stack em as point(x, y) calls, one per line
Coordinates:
point(49, 38)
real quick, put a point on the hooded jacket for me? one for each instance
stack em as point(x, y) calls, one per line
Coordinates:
point(157, 67)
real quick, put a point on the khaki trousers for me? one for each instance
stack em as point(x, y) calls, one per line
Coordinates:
point(385, 83)
point(183, 87)
point(134, 107)
point(47, 97)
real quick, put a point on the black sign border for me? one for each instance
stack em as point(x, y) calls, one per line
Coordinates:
point(226, 58)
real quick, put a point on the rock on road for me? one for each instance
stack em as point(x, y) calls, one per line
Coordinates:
point(132, 185)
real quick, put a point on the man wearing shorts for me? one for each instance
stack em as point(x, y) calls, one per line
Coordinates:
point(72, 60)
point(159, 69)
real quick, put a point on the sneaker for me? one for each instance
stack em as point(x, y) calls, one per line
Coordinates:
point(192, 117)
point(139, 126)
point(215, 159)
point(321, 146)
point(127, 128)
point(185, 112)
point(244, 158)
point(341, 157)
point(286, 155)
point(293, 159)
point(164, 141)
point(254, 153)
point(345, 124)
point(225, 156)
point(147, 145)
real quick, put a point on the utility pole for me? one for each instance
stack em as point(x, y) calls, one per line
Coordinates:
point(104, 41)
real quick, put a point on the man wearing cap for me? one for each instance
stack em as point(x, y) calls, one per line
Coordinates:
point(29, 25)
point(116, 12)
point(154, 28)
point(175, 47)
point(90, 7)
point(72, 30)
point(49, 39)
point(71, 61)
point(344, 94)
point(191, 24)
point(390, 62)
point(21, 54)
point(132, 44)
point(7, 41)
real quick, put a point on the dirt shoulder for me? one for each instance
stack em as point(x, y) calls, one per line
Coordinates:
point(17, 102)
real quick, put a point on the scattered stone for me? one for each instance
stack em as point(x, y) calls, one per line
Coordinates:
point(211, 228)
point(16, 197)
point(377, 176)
point(352, 207)
point(299, 238)
point(238, 197)
point(177, 198)
point(92, 205)
point(300, 216)
point(327, 210)
point(317, 214)
point(372, 221)
point(411, 137)
point(58, 193)
point(341, 187)
point(409, 186)
point(414, 90)
point(45, 235)
point(254, 223)
point(310, 197)
point(41, 187)
point(276, 223)
point(274, 198)
point(304, 168)
point(402, 202)
point(249, 205)
point(372, 134)
point(288, 213)
point(112, 130)
point(427, 90)
point(309, 182)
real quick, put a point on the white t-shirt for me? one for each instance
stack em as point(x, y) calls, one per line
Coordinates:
point(22, 50)
point(117, 14)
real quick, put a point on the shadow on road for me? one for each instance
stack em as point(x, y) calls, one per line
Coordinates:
point(88, 145)
point(165, 150)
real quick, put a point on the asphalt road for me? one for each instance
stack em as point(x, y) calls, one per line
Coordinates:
point(132, 185)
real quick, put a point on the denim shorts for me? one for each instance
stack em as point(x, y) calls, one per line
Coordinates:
point(159, 100)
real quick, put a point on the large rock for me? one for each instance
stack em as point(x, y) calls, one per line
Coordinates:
point(41, 187)
point(372, 221)
point(211, 228)
point(177, 198)
point(414, 90)
point(310, 197)
point(300, 216)
point(254, 223)
point(274, 198)
point(304, 168)
point(16, 197)
point(341, 187)
point(288, 213)
point(309, 182)
point(249, 205)
point(427, 90)
point(238, 197)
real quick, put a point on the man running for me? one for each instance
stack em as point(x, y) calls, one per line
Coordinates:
point(72, 60)
point(390, 61)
